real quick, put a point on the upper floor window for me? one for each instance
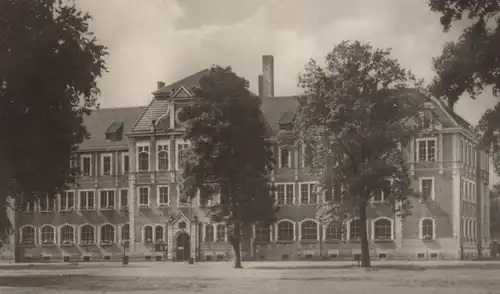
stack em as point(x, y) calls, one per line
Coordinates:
point(87, 200)
point(307, 155)
point(106, 164)
point(426, 151)
point(308, 193)
point(143, 157)
point(163, 195)
point(125, 163)
point(285, 157)
point(67, 201)
point(86, 167)
point(107, 199)
point(163, 162)
point(427, 189)
point(182, 149)
point(47, 203)
point(285, 193)
point(143, 196)
point(124, 199)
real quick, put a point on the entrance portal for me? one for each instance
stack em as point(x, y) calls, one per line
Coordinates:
point(183, 249)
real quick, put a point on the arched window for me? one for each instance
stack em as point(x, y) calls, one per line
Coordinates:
point(48, 235)
point(163, 157)
point(309, 230)
point(221, 233)
point(107, 234)
point(382, 229)
point(355, 230)
point(333, 233)
point(427, 229)
point(28, 236)
point(87, 235)
point(262, 233)
point(67, 235)
point(159, 234)
point(209, 233)
point(286, 231)
point(126, 232)
point(148, 234)
point(143, 154)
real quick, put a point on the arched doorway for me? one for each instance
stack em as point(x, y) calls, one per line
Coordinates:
point(183, 248)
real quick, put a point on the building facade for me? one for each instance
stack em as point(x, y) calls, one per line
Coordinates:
point(127, 199)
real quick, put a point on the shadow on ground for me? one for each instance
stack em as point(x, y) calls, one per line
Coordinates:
point(398, 267)
point(59, 266)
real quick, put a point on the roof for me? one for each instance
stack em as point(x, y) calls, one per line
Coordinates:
point(273, 108)
point(188, 82)
point(100, 120)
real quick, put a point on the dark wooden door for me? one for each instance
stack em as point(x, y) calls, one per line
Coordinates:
point(183, 247)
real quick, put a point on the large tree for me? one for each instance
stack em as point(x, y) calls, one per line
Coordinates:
point(472, 63)
point(49, 63)
point(357, 114)
point(230, 155)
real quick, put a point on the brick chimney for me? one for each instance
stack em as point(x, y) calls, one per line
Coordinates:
point(266, 83)
point(160, 85)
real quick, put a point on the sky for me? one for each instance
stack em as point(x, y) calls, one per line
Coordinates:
point(166, 40)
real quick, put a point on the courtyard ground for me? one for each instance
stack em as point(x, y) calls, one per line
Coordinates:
point(387, 277)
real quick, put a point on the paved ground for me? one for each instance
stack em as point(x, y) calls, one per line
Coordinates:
point(258, 277)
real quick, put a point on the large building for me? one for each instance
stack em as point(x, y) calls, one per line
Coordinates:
point(127, 199)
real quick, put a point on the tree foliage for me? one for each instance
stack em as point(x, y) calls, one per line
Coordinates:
point(495, 212)
point(358, 113)
point(229, 153)
point(49, 63)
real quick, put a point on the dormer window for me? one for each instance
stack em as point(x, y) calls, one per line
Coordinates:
point(286, 121)
point(115, 131)
point(285, 158)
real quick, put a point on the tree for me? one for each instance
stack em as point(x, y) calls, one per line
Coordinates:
point(358, 113)
point(49, 63)
point(471, 63)
point(495, 212)
point(229, 154)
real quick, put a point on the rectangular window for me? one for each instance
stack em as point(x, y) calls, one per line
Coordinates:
point(124, 199)
point(106, 164)
point(182, 149)
point(307, 155)
point(163, 156)
point(143, 196)
point(426, 150)
point(67, 201)
point(163, 195)
point(87, 200)
point(107, 199)
point(86, 167)
point(142, 158)
point(125, 163)
point(308, 193)
point(182, 198)
point(47, 204)
point(427, 189)
point(285, 159)
point(285, 194)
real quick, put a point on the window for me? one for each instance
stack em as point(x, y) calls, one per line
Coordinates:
point(47, 203)
point(67, 235)
point(87, 235)
point(355, 230)
point(426, 151)
point(125, 163)
point(333, 233)
point(124, 199)
point(378, 197)
point(143, 157)
point(106, 164)
point(262, 233)
point(307, 155)
point(209, 233)
point(28, 236)
point(427, 189)
point(285, 194)
point(67, 201)
point(107, 199)
point(107, 234)
point(86, 165)
point(27, 205)
point(48, 236)
point(182, 149)
point(87, 200)
point(308, 193)
point(126, 232)
point(286, 231)
point(163, 195)
point(163, 162)
point(382, 229)
point(182, 198)
point(285, 158)
point(221, 233)
point(309, 231)
point(159, 234)
point(143, 196)
point(148, 235)
point(427, 229)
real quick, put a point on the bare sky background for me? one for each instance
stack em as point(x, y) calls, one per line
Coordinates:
point(165, 40)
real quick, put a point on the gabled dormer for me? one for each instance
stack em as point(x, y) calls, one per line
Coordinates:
point(115, 131)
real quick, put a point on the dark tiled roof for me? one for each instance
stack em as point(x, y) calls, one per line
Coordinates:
point(273, 109)
point(99, 121)
point(187, 82)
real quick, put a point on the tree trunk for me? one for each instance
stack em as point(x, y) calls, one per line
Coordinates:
point(365, 251)
point(235, 242)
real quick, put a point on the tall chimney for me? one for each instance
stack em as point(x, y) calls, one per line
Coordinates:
point(267, 76)
point(261, 94)
point(160, 85)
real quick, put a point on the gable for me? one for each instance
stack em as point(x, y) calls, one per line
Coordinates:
point(182, 93)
